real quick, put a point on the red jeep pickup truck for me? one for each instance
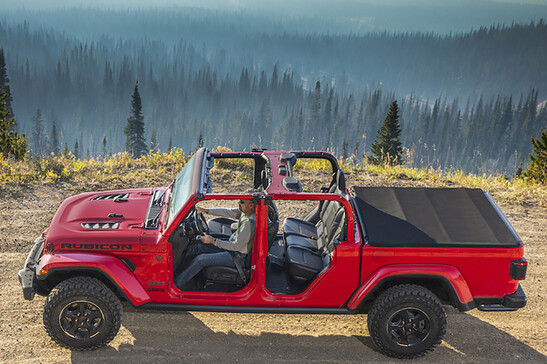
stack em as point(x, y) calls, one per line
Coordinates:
point(398, 254)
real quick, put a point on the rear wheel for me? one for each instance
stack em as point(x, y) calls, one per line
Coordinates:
point(407, 321)
point(81, 313)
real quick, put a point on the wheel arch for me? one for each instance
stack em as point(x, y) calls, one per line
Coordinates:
point(445, 281)
point(440, 286)
point(108, 269)
point(57, 275)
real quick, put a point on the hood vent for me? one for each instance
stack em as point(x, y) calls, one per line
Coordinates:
point(112, 196)
point(100, 225)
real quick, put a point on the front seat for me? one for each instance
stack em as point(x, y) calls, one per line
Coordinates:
point(229, 275)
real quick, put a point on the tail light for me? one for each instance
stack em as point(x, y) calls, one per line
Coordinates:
point(518, 269)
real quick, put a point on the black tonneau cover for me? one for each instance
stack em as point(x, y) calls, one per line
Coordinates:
point(394, 216)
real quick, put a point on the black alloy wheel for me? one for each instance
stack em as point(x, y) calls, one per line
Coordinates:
point(409, 326)
point(81, 319)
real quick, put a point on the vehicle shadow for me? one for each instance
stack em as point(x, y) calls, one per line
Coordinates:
point(165, 337)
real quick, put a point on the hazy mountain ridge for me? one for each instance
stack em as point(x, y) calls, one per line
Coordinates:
point(194, 81)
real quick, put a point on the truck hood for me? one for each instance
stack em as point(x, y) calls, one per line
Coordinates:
point(108, 219)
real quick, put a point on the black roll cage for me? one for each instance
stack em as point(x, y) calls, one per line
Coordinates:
point(262, 163)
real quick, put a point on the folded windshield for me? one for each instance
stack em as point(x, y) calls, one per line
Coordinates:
point(182, 189)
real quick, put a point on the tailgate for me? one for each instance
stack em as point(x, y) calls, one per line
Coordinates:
point(395, 216)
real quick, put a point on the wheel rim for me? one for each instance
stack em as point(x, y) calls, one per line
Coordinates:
point(409, 327)
point(81, 319)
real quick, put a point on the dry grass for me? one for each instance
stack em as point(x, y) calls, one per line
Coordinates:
point(156, 169)
point(117, 169)
point(516, 191)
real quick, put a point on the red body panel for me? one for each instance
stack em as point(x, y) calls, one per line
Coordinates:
point(475, 265)
point(110, 265)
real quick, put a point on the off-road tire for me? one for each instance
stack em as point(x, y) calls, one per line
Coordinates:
point(407, 321)
point(82, 294)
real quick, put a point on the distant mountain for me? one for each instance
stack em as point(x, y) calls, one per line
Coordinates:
point(467, 100)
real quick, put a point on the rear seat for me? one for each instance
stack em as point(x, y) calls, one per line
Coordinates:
point(304, 260)
point(294, 226)
point(331, 219)
point(308, 245)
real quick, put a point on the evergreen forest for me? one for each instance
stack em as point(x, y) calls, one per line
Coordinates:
point(469, 100)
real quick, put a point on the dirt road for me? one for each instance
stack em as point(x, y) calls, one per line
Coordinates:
point(151, 336)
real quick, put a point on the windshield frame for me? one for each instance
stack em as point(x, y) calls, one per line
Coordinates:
point(188, 181)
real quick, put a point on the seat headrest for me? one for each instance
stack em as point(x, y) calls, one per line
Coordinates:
point(273, 223)
point(264, 183)
point(272, 212)
point(341, 181)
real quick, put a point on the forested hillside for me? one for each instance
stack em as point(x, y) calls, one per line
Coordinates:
point(467, 100)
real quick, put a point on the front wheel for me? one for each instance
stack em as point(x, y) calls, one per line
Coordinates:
point(407, 321)
point(81, 313)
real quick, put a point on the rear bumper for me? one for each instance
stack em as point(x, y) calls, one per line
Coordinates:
point(511, 302)
point(515, 300)
point(27, 275)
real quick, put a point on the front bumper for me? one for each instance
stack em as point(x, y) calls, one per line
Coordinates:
point(27, 275)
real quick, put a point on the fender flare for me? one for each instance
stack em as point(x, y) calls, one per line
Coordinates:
point(449, 274)
point(109, 266)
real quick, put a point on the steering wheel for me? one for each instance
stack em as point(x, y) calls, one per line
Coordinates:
point(200, 224)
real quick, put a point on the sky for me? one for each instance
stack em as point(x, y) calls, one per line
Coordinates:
point(246, 4)
point(439, 16)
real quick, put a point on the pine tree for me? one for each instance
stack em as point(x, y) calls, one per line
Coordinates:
point(104, 150)
point(4, 87)
point(154, 142)
point(170, 145)
point(76, 150)
point(298, 128)
point(200, 141)
point(327, 117)
point(283, 136)
point(38, 139)
point(345, 149)
point(387, 147)
point(134, 131)
point(54, 139)
point(538, 163)
point(264, 121)
point(518, 172)
point(313, 126)
point(12, 144)
point(244, 84)
point(66, 151)
point(81, 145)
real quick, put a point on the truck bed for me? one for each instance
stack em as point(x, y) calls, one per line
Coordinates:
point(394, 216)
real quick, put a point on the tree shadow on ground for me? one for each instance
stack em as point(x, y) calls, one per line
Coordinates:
point(165, 337)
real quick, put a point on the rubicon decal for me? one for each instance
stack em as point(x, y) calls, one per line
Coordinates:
point(97, 246)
